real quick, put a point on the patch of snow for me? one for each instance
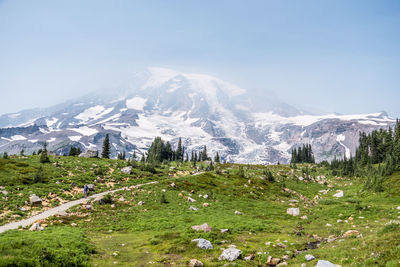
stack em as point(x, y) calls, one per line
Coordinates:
point(75, 138)
point(18, 137)
point(93, 113)
point(51, 140)
point(84, 130)
point(137, 103)
point(340, 138)
point(51, 122)
point(33, 140)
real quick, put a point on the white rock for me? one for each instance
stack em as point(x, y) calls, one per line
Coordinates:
point(293, 211)
point(309, 257)
point(323, 263)
point(339, 193)
point(36, 227)
point(230, 254)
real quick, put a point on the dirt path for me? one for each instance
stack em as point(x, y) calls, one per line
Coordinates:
point(63, 207)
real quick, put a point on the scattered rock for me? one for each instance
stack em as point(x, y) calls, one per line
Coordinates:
point(309, 257)
point(323, 263)
point(205, 196)
point(58, 182)
point(88, 207)
point(195, 263)
point(73, 224)
point(206, 205)
point(282, 264)
point(140, 203)
point(351, 233)
point(203, 243)
point(230, 254)
point(113, 206)
point(304, 217)
point(293, 211)
point(193, 208)
point(238, 212)
point(121, 199)
point(4, 192)
point(191, 199)
point(91, 187)
point(250, 257)
point(224, 230)
point(35, 200)
point(339, 193)
point(63, 213)
point(281, 245)
point(22, 209)
point(203, 227)
point(36, 227)
point(273, 261)
point(328, 225)
point(127, 170)
point(173, 185)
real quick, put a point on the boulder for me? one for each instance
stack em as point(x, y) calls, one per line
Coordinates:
point(195, 263)
point(351, 233)
point(203, 243)
point(339, 193)
point(193, 208)
point(224, 230)
point(250, 257)
point(273, 261)
point(191, 199)
point(238, 212)
point(230, 254)
point(203, 227)
point(309, 257)
point(127, 170)
point(206, 205)
point(141, 203)
point(4, 192)
point(36, 227)
point(62, 213)
point(35, 200)
point(323, 263)
point(89, 154)
point(91, 187)
point(293, 211)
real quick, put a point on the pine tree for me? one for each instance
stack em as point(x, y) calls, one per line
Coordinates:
point(5, 155)
point(179, 151)
point(44, 158)
point(22, 153)
point(134, 155)
point(216, 158)
point(105, 154)
point(204, 155)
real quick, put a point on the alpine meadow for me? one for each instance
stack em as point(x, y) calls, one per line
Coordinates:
point(200, 133)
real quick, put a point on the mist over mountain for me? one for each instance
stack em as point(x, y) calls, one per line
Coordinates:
point(242, 126)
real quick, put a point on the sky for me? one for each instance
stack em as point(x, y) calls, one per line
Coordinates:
point(335, 56)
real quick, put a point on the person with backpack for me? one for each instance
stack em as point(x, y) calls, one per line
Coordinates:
point(85, 190)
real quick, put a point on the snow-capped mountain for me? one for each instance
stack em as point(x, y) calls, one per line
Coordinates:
point(201, 109)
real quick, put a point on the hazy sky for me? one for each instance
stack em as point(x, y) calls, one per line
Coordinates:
point(341, 56)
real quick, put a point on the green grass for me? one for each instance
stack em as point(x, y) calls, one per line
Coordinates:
point(159, 232)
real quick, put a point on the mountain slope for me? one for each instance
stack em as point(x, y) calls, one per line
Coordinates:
point(201, 109)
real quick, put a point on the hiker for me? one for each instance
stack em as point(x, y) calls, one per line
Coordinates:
point(85, 190)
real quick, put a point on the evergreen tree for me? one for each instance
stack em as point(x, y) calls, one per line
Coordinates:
point(5, 155)
point(105, 154)
point(44, 158)
point(204, 155)
point(179, 151)
point(216, 158)
point(22, 153)
point(134, 155)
